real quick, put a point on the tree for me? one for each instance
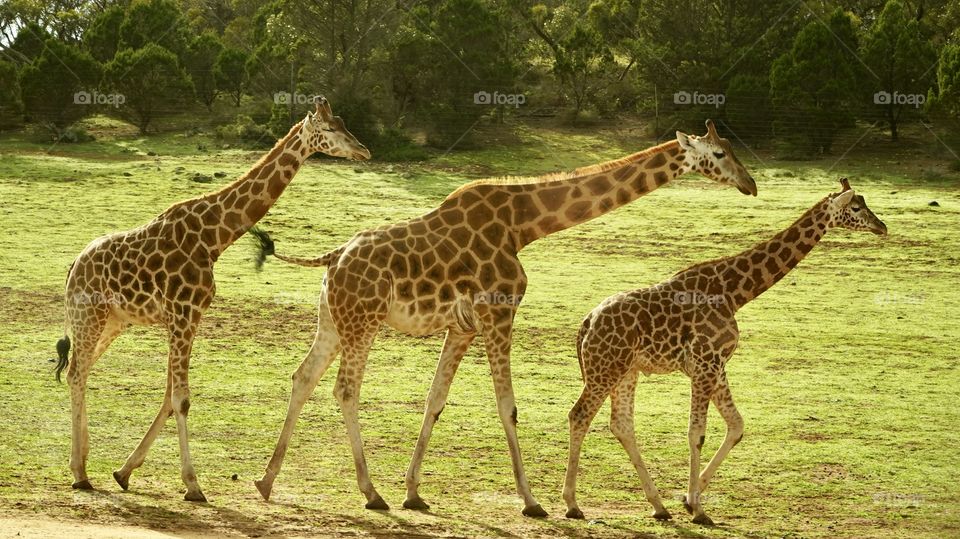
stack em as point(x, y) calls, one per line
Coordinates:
point(900, 59)
point(57, 87)
point(154, 21)
point(944, 102)
point(230, 71)
point(813, 85)
point(102, 37)
point(581, 59)
point(450, 65)
point(11, 109)
point(28, 45)
point(201, 60)
point(151, 82)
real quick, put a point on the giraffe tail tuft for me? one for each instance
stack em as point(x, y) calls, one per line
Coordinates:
point(63, 356)
point(264, 245)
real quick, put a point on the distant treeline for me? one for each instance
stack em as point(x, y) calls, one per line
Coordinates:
point(797, 72)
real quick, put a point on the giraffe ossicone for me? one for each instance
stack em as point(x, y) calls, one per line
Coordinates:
point(161, 273)
point(456, 269)
point(665, 328)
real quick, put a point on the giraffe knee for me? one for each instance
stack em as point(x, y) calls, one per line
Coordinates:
point(185, 406)
point(513, 416)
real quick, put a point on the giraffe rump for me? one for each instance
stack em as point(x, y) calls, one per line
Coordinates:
point(63, 356)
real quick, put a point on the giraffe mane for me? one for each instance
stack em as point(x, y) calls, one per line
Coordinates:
point(269, 156)
point(567, 175)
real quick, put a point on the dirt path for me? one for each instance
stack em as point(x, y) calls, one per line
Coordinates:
point(36, 527)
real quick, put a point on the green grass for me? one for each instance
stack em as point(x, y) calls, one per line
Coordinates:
point(846, 375)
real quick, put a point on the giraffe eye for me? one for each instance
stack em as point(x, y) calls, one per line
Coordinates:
point(855, 208)
point(718, 155)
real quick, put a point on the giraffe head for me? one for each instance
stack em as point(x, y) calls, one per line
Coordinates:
point(323, 132)
point(713, 157)
point(849, 210)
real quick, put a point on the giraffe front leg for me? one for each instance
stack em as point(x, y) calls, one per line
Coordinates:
point(182, 332)
point(135, 460)
point(723, 400)
point(497, 334)
point(701, 389)
point(347, 393)
point(454, 347)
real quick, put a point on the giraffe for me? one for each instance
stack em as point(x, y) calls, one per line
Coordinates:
point(687, 323)
point(456, 269)
point(162, 274)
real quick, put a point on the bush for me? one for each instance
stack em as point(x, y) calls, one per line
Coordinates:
point(76, 134)
point(393, 145)
point(244, 129)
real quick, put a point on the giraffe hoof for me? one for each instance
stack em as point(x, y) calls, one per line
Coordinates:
point(534, 511)
point(575, 512)
point(377, 504)
point(703, 520)
point(82, 485)
point(416, 503)
point(124, 482)
point(663, 514)
point(263, 488)
point(195, 497)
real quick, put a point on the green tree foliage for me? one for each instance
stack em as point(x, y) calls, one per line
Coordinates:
point(56, 87)
point(813, 86)
point(11, 109)
point(28, 45)
point(900, 59)
point(151, 82)
point(154, 21)
point(448, 61)
point(102, 37)
point(946, 99)
point(200, 62)
point(230, 72)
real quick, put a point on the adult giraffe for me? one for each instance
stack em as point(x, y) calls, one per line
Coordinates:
point(162, 274)
point(456, 268)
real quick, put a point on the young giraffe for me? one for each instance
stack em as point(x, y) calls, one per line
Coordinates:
point(162, 274)
point(687, 323)
point(456, 268)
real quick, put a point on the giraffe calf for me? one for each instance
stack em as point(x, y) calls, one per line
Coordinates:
point(687, 323)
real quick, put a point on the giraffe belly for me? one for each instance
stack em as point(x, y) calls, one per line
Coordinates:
point(410, 319)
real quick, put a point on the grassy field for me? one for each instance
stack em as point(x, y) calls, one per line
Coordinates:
point(846, 376)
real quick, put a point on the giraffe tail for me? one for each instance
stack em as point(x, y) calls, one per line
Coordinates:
point(584, 328)
point(266, 248)
point(63, 345)
point(63, 356)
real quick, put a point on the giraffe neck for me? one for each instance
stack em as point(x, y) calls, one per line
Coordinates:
point(553, 205)
point(752, 272)
point(228, 213)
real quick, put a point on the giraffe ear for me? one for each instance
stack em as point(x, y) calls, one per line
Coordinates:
point(684, 140)
point(840, 201)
